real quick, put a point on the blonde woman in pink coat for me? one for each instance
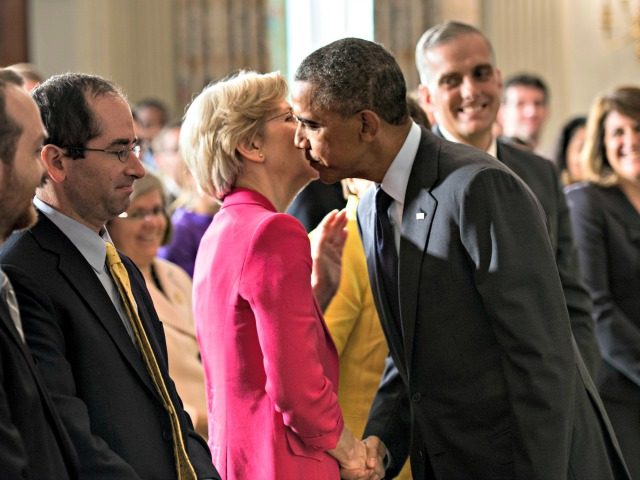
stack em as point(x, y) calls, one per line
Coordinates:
point(271, 368)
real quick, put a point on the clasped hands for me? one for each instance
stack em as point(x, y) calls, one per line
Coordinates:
point(359, 459)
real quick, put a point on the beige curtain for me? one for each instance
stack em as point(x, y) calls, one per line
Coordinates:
point(217, 37)
point(398, 25)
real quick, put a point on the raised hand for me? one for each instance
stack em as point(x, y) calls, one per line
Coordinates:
point(326, 252)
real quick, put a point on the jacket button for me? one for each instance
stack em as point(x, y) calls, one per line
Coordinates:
point(416, 397)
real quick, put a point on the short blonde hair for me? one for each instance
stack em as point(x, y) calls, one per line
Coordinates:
point(595, 165)
point(219, 119)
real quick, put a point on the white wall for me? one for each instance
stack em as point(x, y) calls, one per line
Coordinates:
point(129, 42)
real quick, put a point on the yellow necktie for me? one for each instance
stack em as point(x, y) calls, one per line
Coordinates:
point(121, 277)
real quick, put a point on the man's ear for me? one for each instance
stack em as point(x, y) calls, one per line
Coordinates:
point(369, 124)
point(251, 150)
point(52, 158)
point(424, 97)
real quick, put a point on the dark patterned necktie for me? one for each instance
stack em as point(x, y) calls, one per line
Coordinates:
point(386, 252)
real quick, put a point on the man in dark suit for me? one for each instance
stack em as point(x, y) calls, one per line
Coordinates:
point(33, 441)
point(80, 328)
point(484, 379)
point(462, 87)
point(314, 201)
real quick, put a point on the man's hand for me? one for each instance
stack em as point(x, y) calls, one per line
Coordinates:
point(359, 460)
point(326, 253)
point(376, 451)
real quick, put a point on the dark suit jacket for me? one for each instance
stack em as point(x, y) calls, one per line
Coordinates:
point(33, 442)
point(96, 375)
point(542, 178)
point(316, 200)
point(485, 356)
point(607, 229)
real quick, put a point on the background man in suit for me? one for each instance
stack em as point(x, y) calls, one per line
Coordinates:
point(81, 331)
point(484, 379)
point(33, 442)
point(461, 85)
point(525, 109)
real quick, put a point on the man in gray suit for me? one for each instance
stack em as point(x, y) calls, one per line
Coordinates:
point(462, 86)
point(484, 379)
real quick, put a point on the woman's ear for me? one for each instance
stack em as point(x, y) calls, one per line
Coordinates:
point(369, 124)
point(251, 150)
point(52, 158)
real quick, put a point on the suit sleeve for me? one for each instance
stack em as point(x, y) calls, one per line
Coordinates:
point(514, 270)
point(575, 293)
point(276, 282)
point(389, 418)
point(46, 341)
point(619, 336)
point(13, 456)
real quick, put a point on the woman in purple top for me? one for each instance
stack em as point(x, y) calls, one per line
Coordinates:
point(192, 215)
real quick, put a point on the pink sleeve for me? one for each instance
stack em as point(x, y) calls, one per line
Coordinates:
point(276, 281)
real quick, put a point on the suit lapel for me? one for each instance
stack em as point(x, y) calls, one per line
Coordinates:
point(58, 429)
point(83, 280)
point(417, 218)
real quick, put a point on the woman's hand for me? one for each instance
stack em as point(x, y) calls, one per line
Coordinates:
point(326, 253)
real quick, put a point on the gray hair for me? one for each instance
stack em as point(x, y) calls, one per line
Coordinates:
point(439, 34)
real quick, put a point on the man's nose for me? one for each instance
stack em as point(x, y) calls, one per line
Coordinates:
point(300, 138)
point(468, 87)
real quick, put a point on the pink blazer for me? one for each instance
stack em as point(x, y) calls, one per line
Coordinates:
point(271, 369)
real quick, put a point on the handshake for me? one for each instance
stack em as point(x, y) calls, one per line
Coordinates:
point(359, 459)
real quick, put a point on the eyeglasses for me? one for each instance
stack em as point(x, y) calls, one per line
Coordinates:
point(280, 115)
point(142, 214)
point(122, 154)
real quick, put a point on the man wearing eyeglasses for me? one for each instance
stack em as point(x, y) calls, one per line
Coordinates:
point(99, 343)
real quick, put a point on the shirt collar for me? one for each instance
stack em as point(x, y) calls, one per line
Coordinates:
point(91, 245)
point(493, 146)
point(397, 176)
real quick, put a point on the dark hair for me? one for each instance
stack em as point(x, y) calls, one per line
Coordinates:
point(566, 134)
point(27, 71)
point(151, 103)
point(9, 129)
point(439, 34)
point(526, 80)
point(353, 74)
point(65, 110)
point(416, 112)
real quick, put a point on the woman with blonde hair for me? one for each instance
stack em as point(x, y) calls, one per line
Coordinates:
point(271, 368)
point(605, 213)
